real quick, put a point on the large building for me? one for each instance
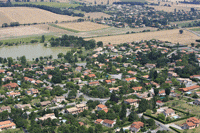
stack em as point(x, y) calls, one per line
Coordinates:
point(4, 125)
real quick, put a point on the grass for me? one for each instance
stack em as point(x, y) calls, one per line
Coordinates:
point(195, 29)
point(26, 39)
point(51, 4)
point(17, 130)
point(63, 28)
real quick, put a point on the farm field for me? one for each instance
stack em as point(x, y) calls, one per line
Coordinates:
point(104, 2)
point(83, 26)
point(21, 31)
point(184, 23)
point(95, 15)
point(168, 35)
point(51, 4)
point(25, 15)
point(112, 31)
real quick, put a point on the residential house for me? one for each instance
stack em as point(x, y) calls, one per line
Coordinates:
point(5, 108)
point(168, 112)
point(92, 75)
point(98, 121)
point(136, 126)
point(102, 107)
point(197, 93)
point(132, 72)
point(45, 103)
point(131, 102)
point(110, 81)
point(109, 123)
point(48, 68)
point(47, 116)
point(156, 84)
point(161, 93)
point(2, 71)
point(58, 99)
point(11, 85)
point(131, 79)
point(23, 106)
point(94, 83)
point(114, 89)
point(78, 69)
point(13, 94)
point(195, 76)
point(191, 123)
point(197, 102)
point(189, 88)
point(81, 107)
point(4, 125)
point(137, 88)
point(150, 66)
point(172, 74)
point(159, 103)
point(75, 110)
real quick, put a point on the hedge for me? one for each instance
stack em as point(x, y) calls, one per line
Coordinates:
point(176, 130)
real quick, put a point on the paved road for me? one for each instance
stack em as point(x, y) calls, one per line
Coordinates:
point(174, 52)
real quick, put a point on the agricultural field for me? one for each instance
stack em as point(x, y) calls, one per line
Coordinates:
point(51, 4)
point(95, 15)
point(185, 7)
point(98, 2)
point(168, 35)
point(83, 26)
point(25, 15)
point(21, 31)
point(112, 31)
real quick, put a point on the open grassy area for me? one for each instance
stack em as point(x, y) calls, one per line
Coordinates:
point(182, 105)
point(26, 39)
point(51, 4)
point(64, 28)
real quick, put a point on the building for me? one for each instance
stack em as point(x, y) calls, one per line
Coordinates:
point(194, 87)
point(197, 102)
point(23, 106)
point(5, 108)
point(131, 79)
point(98, 121)
point(11, 85)
point(45, 103)
point(191, 123)
point(132, 102)
point(94, 83)
point(76, 110)
point(136, 126)
point(46, 116)
point(137, 88)
point(168, 112)
point(58, 99)
point(108, 123)
point(150, 66)
point(4, 125)
point(132, 72)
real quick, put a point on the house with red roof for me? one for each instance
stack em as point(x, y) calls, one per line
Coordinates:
point(136, 126)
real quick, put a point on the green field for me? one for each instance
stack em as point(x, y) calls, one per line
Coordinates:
point(54, 25)
point(51, 4)
point(26, 39)
point(195, 29)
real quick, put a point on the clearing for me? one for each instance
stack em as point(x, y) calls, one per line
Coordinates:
point(83, 26)
point(168, 35)
point(25, 15)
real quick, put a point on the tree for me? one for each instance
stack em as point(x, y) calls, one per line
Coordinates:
point(100, 44)
point(181, 31)
point(10, 61)
point(161, 116)
point(60, 55)
point(123, 111)
point(167, 91)
point(102, 114)
point(23, 60)
point(133, 116)
point(42, 39)
point(192, 44)
point(56, 112)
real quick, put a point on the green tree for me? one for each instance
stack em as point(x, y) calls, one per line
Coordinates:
point(161, 116)
point(10, 61)
point(100, 44)
point(123, 111)
point(23, 60)
point(181, 31)
point(133, 116)
point(167, 91)
point(42, 39)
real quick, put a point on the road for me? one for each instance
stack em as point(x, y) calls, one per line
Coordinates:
point(174, 52)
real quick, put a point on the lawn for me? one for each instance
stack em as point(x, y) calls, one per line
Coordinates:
point(51, 4)
point(26, 39)
point(182, 105)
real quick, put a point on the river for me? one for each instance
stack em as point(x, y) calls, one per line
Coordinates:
point(31, 51)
